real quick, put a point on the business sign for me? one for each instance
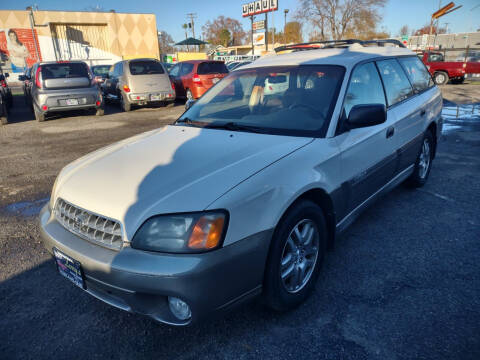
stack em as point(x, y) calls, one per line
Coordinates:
point(259, 7)
point(259, 39)
point(259, 25)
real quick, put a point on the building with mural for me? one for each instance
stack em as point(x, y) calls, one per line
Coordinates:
point(95, 37)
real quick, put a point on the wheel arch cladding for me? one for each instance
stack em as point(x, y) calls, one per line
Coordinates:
point(324, 201)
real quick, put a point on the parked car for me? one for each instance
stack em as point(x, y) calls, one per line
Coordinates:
point(194, 77)
point(25, 78)
point(139, 82)
point(168, 66)
point(5, 90)
point(64, 86)
point(3, 110)
point(100, 72)
point(245, 193)
point(443, 71)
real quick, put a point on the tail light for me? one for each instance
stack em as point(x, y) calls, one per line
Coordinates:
point(126, 88)
point(3, 83)
point(97, 103)
point(38, 80)
point(44, 107)
point(196, 79)
point(173, 86)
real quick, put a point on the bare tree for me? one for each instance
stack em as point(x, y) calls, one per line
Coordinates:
point(213, 31)
point(404, 30)
point(340, 19)
point(165, 42)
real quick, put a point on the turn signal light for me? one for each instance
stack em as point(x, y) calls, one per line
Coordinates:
point(126, 88)
point(207, 232)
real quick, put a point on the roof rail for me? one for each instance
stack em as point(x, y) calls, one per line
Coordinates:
point(337, 44)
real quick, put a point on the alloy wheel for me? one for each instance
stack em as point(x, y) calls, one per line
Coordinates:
point(299, 255)
point(424, 160)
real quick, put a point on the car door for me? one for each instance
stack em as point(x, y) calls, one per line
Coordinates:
point(368, 154)
point(186, 76)
point(176, 80)
point(413, 113)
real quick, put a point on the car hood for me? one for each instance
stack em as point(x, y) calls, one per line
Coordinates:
point(175, 169)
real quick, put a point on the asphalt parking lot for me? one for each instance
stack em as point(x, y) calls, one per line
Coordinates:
point(402, 283)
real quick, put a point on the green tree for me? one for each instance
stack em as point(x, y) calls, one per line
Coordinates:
point(212, 31)
point(224, 37)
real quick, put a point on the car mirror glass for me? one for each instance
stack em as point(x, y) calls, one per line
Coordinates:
point(366, 115)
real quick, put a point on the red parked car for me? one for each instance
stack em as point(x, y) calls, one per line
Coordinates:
point(193, 78)
point(442, 71)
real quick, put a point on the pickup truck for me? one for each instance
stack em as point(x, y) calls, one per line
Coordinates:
point(442, 71)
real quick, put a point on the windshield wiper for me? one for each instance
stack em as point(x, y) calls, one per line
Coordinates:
point(188, 121)
point(233, 126)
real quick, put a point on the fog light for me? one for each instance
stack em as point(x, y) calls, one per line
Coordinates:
point(179, 308)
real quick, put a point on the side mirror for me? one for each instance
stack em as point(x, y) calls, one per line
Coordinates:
point(189, 104)
point(7, 75)
point(366, 115)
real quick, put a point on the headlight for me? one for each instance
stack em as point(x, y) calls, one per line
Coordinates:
point(182, 233)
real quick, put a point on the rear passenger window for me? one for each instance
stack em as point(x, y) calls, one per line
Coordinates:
point(365, 88)
point(417, 73)
point(212, 68)
point(396, 83)
point(186, 69)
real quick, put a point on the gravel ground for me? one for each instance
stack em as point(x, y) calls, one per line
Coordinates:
point(402, 283)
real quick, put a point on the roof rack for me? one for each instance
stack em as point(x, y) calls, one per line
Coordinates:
point(337, 44)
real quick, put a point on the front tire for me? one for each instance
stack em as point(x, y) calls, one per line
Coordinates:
point(296, 255)
point(423, 164)
point(440, 78)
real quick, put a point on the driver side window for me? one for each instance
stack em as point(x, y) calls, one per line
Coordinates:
point(365, 88)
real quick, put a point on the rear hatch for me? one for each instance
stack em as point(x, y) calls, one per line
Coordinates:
point(148, 76)
point(210, 72)
point(64, 75)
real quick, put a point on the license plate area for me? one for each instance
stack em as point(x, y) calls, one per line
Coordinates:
point(155, 97)
point(71, 101)
point(69, 268)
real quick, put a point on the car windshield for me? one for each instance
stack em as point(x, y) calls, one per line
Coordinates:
point(146, 67)
point(290, 100)
point(212, 68)
point(100, 70)
point(64, 70)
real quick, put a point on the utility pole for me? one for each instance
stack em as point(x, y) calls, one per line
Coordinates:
point(192, 17)
point(253, 49)
point(285, 27)
point(266, 32)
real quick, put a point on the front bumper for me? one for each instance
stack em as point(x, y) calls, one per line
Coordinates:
point(140, 281)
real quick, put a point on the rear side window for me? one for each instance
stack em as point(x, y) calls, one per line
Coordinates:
point(435, 57)
point(396, 83)
point(100, 70)
point(186, 69)
point(365, 88)
point(64, 70)
point(212, 68)
point(417, 73)
point(146, 67)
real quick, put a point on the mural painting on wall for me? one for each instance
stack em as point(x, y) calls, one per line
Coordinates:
point(17, 49)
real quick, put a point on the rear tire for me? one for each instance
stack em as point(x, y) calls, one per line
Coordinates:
point(124, 104)
point(39, 116)
point(423, 164)
point(440, 78)
point(294, 262)
point(4, 117)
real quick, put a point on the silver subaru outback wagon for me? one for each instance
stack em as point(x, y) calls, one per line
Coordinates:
point(244, 194)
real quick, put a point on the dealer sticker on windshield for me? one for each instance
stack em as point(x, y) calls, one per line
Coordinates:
point(69, 268)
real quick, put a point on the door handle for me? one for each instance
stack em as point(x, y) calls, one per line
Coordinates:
point(423, 112)
point(390, 132)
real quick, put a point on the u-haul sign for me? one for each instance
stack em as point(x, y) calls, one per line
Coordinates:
point(259, 7)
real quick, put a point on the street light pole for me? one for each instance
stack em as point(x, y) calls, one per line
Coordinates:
point(285, 27)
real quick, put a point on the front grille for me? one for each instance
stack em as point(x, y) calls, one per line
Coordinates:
point(92, 227)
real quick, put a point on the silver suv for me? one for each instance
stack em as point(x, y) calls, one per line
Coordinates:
point(138, 82)
point(62, 86)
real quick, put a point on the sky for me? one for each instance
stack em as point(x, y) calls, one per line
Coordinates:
point(172, 14)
